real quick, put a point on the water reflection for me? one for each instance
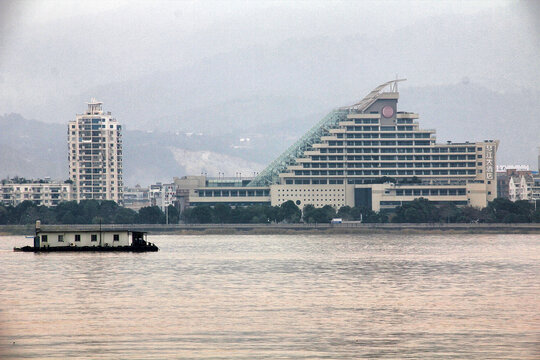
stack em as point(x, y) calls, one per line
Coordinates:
point(376, 296)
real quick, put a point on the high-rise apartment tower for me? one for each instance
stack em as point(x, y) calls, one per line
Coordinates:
point(95, 155)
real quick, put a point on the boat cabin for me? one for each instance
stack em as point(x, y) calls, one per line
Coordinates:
point(87, 237)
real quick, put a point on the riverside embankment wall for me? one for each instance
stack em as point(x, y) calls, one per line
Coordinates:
point(345, 228)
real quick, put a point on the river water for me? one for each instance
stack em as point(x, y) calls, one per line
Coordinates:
point(277, 297)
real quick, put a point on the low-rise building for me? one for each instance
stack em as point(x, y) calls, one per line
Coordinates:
point(41, 192)
point(520, 187)
point(137, 197)
point(162, 195)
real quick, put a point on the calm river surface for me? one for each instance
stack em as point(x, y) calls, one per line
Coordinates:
point(277, 297)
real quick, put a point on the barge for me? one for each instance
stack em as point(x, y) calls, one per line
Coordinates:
point(81, 238)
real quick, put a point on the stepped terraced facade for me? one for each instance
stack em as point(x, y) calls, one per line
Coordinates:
point(370, 155)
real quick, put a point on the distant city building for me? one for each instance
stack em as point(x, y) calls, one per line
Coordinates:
point(535, 189)
point(504, 173)
point(503, 168)
point(514, 182)
point(163, 195)
point(40, 192)
point(137, 197)
point(520, 187)
point(368, 155)
point(184, 186)
point(95, 155)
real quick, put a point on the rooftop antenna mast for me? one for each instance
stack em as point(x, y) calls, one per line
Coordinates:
point(394, 86)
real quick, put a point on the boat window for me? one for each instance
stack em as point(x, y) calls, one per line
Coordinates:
point(94, 237)
point(44, 238)
point(116, 237)
point(77, 237)
point(60, 238)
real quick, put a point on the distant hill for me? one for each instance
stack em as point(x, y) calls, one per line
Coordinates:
point(239, 135)
point(34, 149)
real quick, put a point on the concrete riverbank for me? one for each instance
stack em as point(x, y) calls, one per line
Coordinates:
point(345, 228)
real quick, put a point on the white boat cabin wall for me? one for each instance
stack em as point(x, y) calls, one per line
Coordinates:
point(84, 238)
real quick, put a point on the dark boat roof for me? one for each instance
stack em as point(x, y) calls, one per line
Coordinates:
point(85, 228)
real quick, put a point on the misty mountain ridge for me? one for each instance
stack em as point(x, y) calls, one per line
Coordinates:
point(460, 112)
point(316, 72)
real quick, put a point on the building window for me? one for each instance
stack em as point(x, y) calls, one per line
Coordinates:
point(116, 237)
point(60, 238)
point(77, 237)
point(44, 238)
point(93, 237)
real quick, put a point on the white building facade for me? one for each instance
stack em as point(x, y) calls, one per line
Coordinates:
point(95, 155)
point(43, 193)
point(84, 238)
point(163, 195)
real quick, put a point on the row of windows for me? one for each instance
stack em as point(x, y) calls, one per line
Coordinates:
point(381, 128)
point(35, 189)
point(383, 136)
point(404, 121)
point(381, 172)
point(379, 143)
point(399, 203)
point(233, 193)
point(383, 165)
point(410, 172)
point(427, 192)
point(366, 121)
point(93, 237)
point(243, 203)
point(391, 157)
point(362, 128)
point(435, 150)
point(314, 181)
point(381, 150)
point(308, 190)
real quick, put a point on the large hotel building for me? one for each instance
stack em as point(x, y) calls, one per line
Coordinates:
point(369, 154)
point(95, 155)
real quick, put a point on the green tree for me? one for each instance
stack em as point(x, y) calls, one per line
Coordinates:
point(222, 213)
point(125, 216)
point(345, 213)
point(107, 210)
point(173, 214)
point(469, 214)
point(198, 215)
point(151, 215)
point(289, 212)
point(419, 210)
point(505, 211)
point(68, 218)
point(308, 213)
point(449, 213)
point(4, 215)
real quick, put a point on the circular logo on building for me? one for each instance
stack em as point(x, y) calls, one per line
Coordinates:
point(387, 111)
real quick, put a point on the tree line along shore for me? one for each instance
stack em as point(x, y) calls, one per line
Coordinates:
point(418, 211)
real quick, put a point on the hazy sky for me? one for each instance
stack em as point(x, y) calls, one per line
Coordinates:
point(50, 47)
point(54, 54)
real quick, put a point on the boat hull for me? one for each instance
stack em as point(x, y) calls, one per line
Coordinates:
point(141, 248)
